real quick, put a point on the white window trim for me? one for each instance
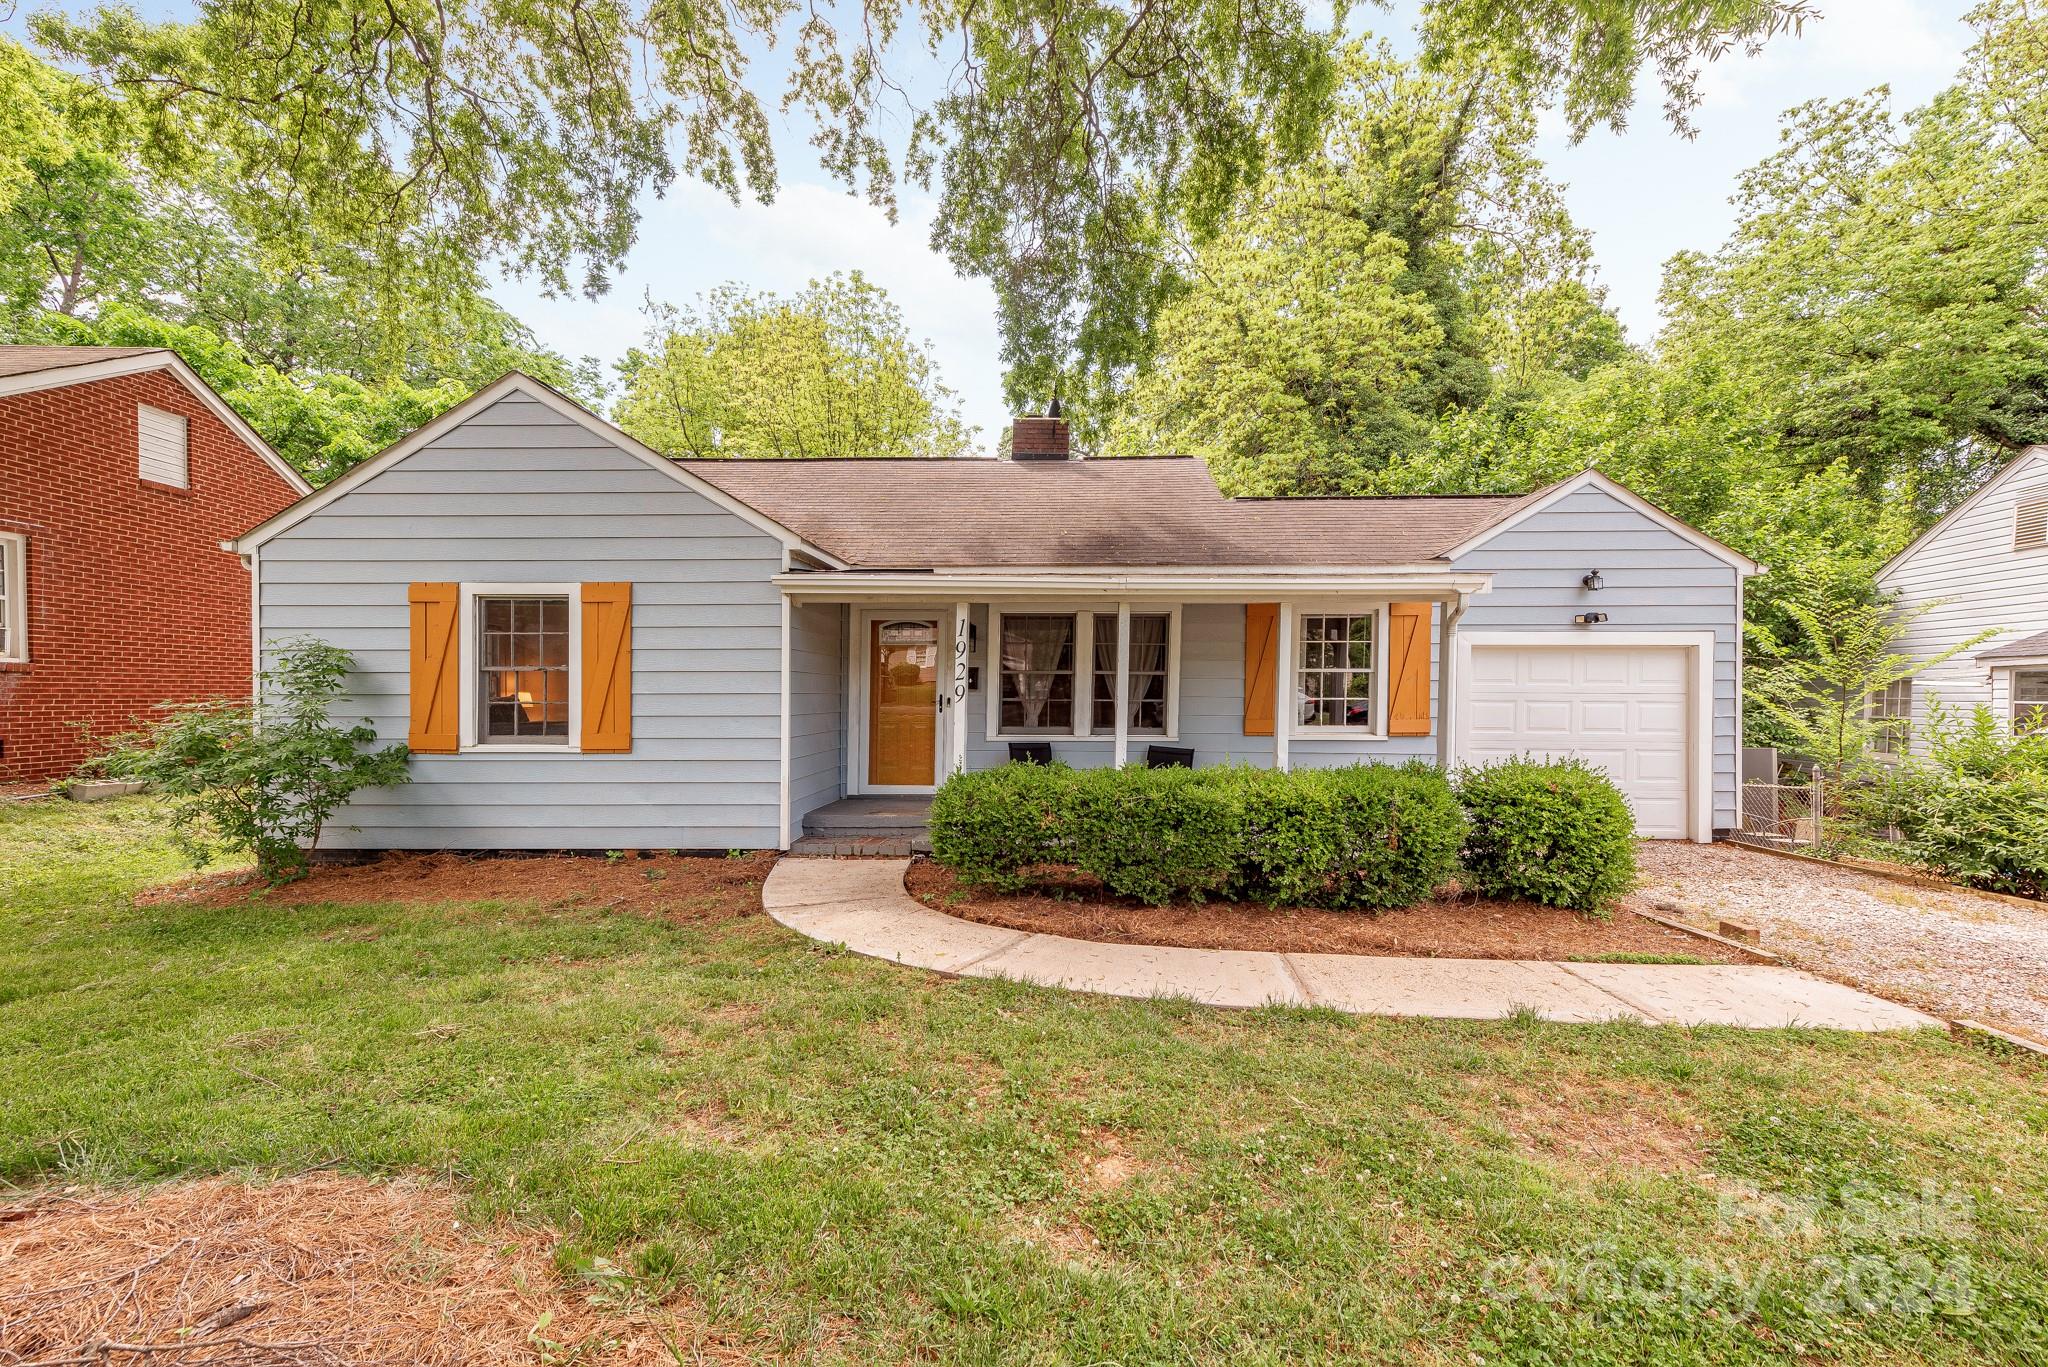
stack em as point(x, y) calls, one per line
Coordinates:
point(1084, 678)
point(1873, 712)
point(466, 663)
point(1290, 687)
point(14, 551)
point(2013, 704)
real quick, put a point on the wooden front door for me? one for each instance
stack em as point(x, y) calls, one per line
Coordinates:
point(903, 703)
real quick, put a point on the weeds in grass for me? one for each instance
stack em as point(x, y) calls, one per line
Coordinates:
point(1291, 1184)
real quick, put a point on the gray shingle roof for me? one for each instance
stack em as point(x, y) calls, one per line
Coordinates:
point(2026, 648)
point(29, 360)
point(954, 514)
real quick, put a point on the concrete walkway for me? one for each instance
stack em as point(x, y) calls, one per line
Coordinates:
point(862, 904)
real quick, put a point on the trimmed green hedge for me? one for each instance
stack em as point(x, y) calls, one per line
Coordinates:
point(1550, 831)
point(1361, 836)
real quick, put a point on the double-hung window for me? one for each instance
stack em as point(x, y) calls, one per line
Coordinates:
point(2029, 699)
point(13, 598)
point(1151, 646)
point(1056, 674)
point(1892, 711)
point(1035, 657)
point(522, 665)
point(1337, 674)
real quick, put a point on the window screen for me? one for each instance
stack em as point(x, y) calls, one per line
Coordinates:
point(1892, 710)
point(1037, 659)
point(523, 674)
point(1336, 674)
point(2029, 699)
point(1150, 650)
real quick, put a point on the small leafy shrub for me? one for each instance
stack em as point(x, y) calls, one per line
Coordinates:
point(1152, 834)
point(1361, 836)
point(263, 776)
point(991, 825)
point(1975, 809)
point(1364, 835)
point(1550, 831)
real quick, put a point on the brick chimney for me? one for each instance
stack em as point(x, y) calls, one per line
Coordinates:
point(1036, 438)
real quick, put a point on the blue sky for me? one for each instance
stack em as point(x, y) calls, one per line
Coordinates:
point(1644, 194)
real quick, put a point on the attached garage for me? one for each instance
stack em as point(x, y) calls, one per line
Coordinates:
point(1632, 704)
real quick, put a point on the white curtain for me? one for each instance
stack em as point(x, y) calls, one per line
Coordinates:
point(1032, 651)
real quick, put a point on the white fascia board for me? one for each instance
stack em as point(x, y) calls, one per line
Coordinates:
point(845, 586)
point(184, 374)
point(517, 382)
point(2013, 467)
point(1593, 479)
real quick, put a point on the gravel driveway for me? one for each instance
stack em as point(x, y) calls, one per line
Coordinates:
point(1955, 954)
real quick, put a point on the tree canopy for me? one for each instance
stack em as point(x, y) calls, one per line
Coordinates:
point(1418, 264)
point(829, 371)
point(1075, 144)
point(1884, 297)
point(328, 358)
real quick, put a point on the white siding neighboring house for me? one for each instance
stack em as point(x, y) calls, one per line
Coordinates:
point(591, 646)
point(1985, 565)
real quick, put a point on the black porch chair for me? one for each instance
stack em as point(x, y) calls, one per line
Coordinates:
point(1169, 757)
point(1030, 752)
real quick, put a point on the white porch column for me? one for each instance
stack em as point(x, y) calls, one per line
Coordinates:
point(1447, 685)
point(782, 819)
point(956, 759)
point(1123, 683)
point(1283, 686)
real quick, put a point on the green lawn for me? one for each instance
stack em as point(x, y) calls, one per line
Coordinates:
point(828, 1152)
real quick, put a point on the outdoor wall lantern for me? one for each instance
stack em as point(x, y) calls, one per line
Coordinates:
point(1593, 582)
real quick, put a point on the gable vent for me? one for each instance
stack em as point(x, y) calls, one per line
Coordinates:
point(160, 446)
point(2030, 522)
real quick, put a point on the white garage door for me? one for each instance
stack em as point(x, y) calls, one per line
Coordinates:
point(1621, 708)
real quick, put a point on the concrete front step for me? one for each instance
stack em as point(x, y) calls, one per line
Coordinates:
point(832, 846)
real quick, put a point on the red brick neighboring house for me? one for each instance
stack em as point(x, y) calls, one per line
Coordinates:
point(120, 475)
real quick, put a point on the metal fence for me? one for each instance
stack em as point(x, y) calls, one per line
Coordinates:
point(1784, 816)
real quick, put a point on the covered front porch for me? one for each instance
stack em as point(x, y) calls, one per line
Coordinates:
point(898, 680)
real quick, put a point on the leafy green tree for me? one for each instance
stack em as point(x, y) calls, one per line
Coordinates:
point(322, 424)
point(829, 371)
point(1365, 295)
point(89, 224)
point(262, 776)
point(1075, 142)
point(1883, 298)
point(1819, 696)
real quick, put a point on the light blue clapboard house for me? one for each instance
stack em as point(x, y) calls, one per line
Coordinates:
point(590, 645)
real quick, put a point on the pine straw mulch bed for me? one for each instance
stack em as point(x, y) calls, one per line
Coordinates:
point(312, 1271)
point(678, 887)
point(1451, 926)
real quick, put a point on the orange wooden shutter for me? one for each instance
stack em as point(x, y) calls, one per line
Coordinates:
point(1261, 645)
point(1408, 667)
point(607, 667)
point(436, 665)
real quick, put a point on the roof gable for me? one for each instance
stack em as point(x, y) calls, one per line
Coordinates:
point(2032, 460)
point(515, 382)
point(28, 369)
point(1531, 505)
